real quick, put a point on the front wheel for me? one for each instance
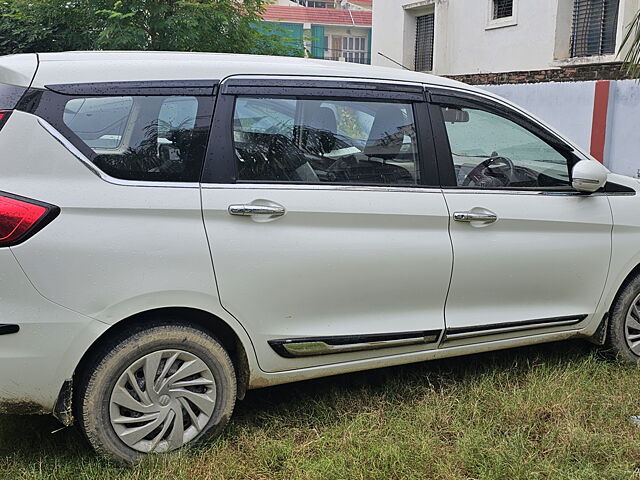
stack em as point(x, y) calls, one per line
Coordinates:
point(624, 325)
point(155, 391)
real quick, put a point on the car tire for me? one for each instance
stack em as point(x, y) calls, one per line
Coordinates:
point(624, 324)
point(192, 396)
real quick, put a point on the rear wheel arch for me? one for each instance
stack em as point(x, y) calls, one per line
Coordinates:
point(197, 318)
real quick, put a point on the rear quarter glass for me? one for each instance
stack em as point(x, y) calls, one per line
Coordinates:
point(10, 95)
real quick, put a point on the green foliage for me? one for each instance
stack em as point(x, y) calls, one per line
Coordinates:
point(632, 40)
point(178, 25)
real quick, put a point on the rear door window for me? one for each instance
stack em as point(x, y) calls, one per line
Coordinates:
point(325, 141)
point(146, 138)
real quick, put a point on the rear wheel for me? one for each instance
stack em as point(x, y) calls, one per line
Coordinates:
point(624, 325)
point(155, 391)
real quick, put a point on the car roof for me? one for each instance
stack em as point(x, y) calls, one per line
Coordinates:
point(112, 66)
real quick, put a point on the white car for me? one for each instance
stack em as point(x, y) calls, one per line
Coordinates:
point(178, 228)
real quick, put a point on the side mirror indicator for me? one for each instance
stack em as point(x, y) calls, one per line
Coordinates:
point(588, 176)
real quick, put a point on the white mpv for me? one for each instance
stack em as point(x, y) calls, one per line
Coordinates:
point(178, 228)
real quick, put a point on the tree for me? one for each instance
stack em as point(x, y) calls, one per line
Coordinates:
point(182, 25)
point(632, 41)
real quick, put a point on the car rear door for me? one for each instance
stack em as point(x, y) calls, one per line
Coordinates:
point(531, 255)
point(327, 229)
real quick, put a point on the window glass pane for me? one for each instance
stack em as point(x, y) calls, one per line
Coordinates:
point(325, 141)
point(490, 151)
point(99, 122)
point(141, 138)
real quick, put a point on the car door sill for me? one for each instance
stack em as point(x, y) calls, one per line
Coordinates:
point(455, 333)
point(313, 346)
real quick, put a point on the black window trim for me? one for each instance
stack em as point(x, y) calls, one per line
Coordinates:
point(48, 105)
point(10, 95)
point(457, 98)
point(220, 162)
point(138, 88)
point(320, 88)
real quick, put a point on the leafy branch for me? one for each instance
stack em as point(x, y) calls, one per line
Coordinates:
point(632, 40)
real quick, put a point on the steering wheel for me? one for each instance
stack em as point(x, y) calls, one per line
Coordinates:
point(495, 171)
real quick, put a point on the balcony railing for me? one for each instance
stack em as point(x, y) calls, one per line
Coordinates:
point(351, 56)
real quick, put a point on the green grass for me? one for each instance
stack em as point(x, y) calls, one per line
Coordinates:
point(558, 411)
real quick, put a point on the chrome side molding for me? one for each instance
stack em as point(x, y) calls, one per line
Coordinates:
point(312, 346)
point(496, 328)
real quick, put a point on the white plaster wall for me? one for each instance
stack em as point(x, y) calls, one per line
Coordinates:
point(463, 43)
point(622, 147)
point(467, 42)
point(393, 33)
point(473, 48)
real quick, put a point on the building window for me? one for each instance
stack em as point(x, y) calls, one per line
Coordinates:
point(316, 3)
point(502, 9)
point(594, 27)
point(354, 49)
point(424, 42)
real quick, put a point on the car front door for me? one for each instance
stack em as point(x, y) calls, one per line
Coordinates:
point(327, 230)
point(530, 254)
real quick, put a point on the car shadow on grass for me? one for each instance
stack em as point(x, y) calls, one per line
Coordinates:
point(28, 439)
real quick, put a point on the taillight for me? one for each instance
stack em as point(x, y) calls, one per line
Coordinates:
point(4, 116)
point(20, 218)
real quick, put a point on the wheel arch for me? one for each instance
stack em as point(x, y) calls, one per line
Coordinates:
point(202, 319)
point(601, 334)
point(635, 271)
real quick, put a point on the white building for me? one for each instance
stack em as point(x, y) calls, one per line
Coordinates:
point(522, 50)
point(458, 37)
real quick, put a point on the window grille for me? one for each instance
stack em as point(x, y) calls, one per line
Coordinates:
point(502, 9)
point(594, 27)
point(424, 42)
point(354, 49)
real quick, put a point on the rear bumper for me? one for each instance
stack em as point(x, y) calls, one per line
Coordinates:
point(42, 348)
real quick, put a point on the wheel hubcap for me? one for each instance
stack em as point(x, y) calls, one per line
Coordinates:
point(162, 401)
point(632, 326)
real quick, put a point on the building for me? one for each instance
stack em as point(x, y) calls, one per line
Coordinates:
point(560, 59)
point(329, 29)
point(462, 37)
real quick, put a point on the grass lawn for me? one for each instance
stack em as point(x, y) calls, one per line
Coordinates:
point(558, 411)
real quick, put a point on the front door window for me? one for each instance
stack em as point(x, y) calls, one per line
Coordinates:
point(490, 151)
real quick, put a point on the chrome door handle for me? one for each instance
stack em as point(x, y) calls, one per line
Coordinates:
point(249, 210)
point(484, 216)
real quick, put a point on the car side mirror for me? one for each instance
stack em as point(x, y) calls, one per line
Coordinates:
point(588, 176)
